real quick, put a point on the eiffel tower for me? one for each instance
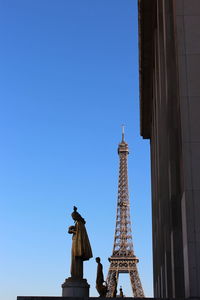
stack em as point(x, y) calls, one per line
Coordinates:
point(123, 259)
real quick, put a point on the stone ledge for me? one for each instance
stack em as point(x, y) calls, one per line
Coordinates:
point(95, 298)
point(86, 298)
point(75, 298)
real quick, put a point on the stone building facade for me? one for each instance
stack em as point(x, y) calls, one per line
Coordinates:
point(169, 43)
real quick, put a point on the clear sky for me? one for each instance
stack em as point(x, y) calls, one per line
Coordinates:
point(68, 80)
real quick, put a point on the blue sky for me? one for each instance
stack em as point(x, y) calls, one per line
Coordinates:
point(68, 80)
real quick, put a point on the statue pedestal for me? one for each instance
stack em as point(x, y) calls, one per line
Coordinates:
point(74, 287)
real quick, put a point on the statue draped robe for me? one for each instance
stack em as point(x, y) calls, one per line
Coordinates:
point(81, 249)
point(101, 289)
point(100, 277)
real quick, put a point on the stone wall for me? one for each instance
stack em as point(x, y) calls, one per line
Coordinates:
point(188, 53)
point(170, 118)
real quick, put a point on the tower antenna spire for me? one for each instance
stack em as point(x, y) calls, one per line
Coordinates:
point(123, 132)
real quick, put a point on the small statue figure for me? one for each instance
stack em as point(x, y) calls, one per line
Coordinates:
point(121, 294)
point(81, 249)
point(114, 286)
point(101, 288)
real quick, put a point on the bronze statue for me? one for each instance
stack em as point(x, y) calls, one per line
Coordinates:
point(81, 249)
point(121, 294)
point(101, 288)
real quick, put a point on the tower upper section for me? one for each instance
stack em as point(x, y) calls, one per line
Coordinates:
point(123, 146)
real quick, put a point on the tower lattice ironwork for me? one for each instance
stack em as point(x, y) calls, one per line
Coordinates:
point(123, 259)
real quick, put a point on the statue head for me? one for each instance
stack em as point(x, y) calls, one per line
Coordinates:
point(98, 259)
point(76, 216)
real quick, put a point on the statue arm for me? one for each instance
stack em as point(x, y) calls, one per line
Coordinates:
point(72, 230)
